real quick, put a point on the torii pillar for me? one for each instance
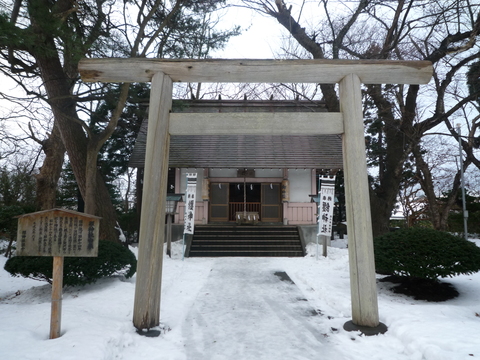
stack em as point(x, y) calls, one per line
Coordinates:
point(349, 74)
point(146, 314)
point(363, 284)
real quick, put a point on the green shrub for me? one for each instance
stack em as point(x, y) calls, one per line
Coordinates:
point(425, 253)
point(455, 222)
point(8, 220)
point(113, 258)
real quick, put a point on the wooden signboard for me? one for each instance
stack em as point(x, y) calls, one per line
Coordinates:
point(57, 233)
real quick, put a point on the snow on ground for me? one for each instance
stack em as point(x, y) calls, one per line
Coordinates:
point(238, 308)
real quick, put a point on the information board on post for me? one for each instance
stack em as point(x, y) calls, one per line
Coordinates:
point(58, 232)
point(190, 199)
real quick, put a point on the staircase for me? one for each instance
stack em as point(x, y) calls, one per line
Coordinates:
point(224, 240)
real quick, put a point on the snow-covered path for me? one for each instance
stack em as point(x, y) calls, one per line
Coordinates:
point(237, 309)
point(248, 294)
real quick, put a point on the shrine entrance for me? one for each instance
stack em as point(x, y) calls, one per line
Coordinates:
point(348, 123)
point(227, 199)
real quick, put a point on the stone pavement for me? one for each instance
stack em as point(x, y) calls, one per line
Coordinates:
point(248, 309)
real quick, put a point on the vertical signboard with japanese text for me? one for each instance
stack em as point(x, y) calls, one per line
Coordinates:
point(190, 194)
point(325, 205)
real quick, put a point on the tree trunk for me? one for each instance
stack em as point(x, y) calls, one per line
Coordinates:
point(438, 211)
point(381, 212)
point(47, 179)
point(90, 181)
point(399, 139)
point(139, 197)
point(58, 87)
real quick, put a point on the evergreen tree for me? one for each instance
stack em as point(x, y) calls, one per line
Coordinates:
point(17, 197)
point(44, 40)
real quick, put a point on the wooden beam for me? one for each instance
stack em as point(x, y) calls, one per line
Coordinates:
point(357, 200)
point(256, 123)
point(256, 71)
point(146, 312)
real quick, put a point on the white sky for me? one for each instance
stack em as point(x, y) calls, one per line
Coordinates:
point(260, 38)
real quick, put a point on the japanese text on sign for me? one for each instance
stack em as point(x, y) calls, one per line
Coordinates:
point(190, 194)
point(325, 205)
point(57, 232)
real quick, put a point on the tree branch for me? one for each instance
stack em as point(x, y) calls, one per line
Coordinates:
point(338, 40)
point(99, 139)
point(446, 47)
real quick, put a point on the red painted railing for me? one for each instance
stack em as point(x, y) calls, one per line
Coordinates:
point(301, 213)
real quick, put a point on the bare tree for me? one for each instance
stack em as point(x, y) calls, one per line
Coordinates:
point(443, 32)
point(440, 186)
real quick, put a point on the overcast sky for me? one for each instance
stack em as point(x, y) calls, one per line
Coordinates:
point(260, 38)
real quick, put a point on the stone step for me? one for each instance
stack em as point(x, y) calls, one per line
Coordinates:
point(257, 237)
point(252, 241)
point(246, 230)
point(244, 247)
point(212, 241)
point(266, 253)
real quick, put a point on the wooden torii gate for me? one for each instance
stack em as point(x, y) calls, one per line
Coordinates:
point(349, 74)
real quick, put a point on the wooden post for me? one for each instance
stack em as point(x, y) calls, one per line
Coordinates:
point(169, 235)
point(359, 223)
point(57, 284)
point(146, 312)
point(325, 239)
